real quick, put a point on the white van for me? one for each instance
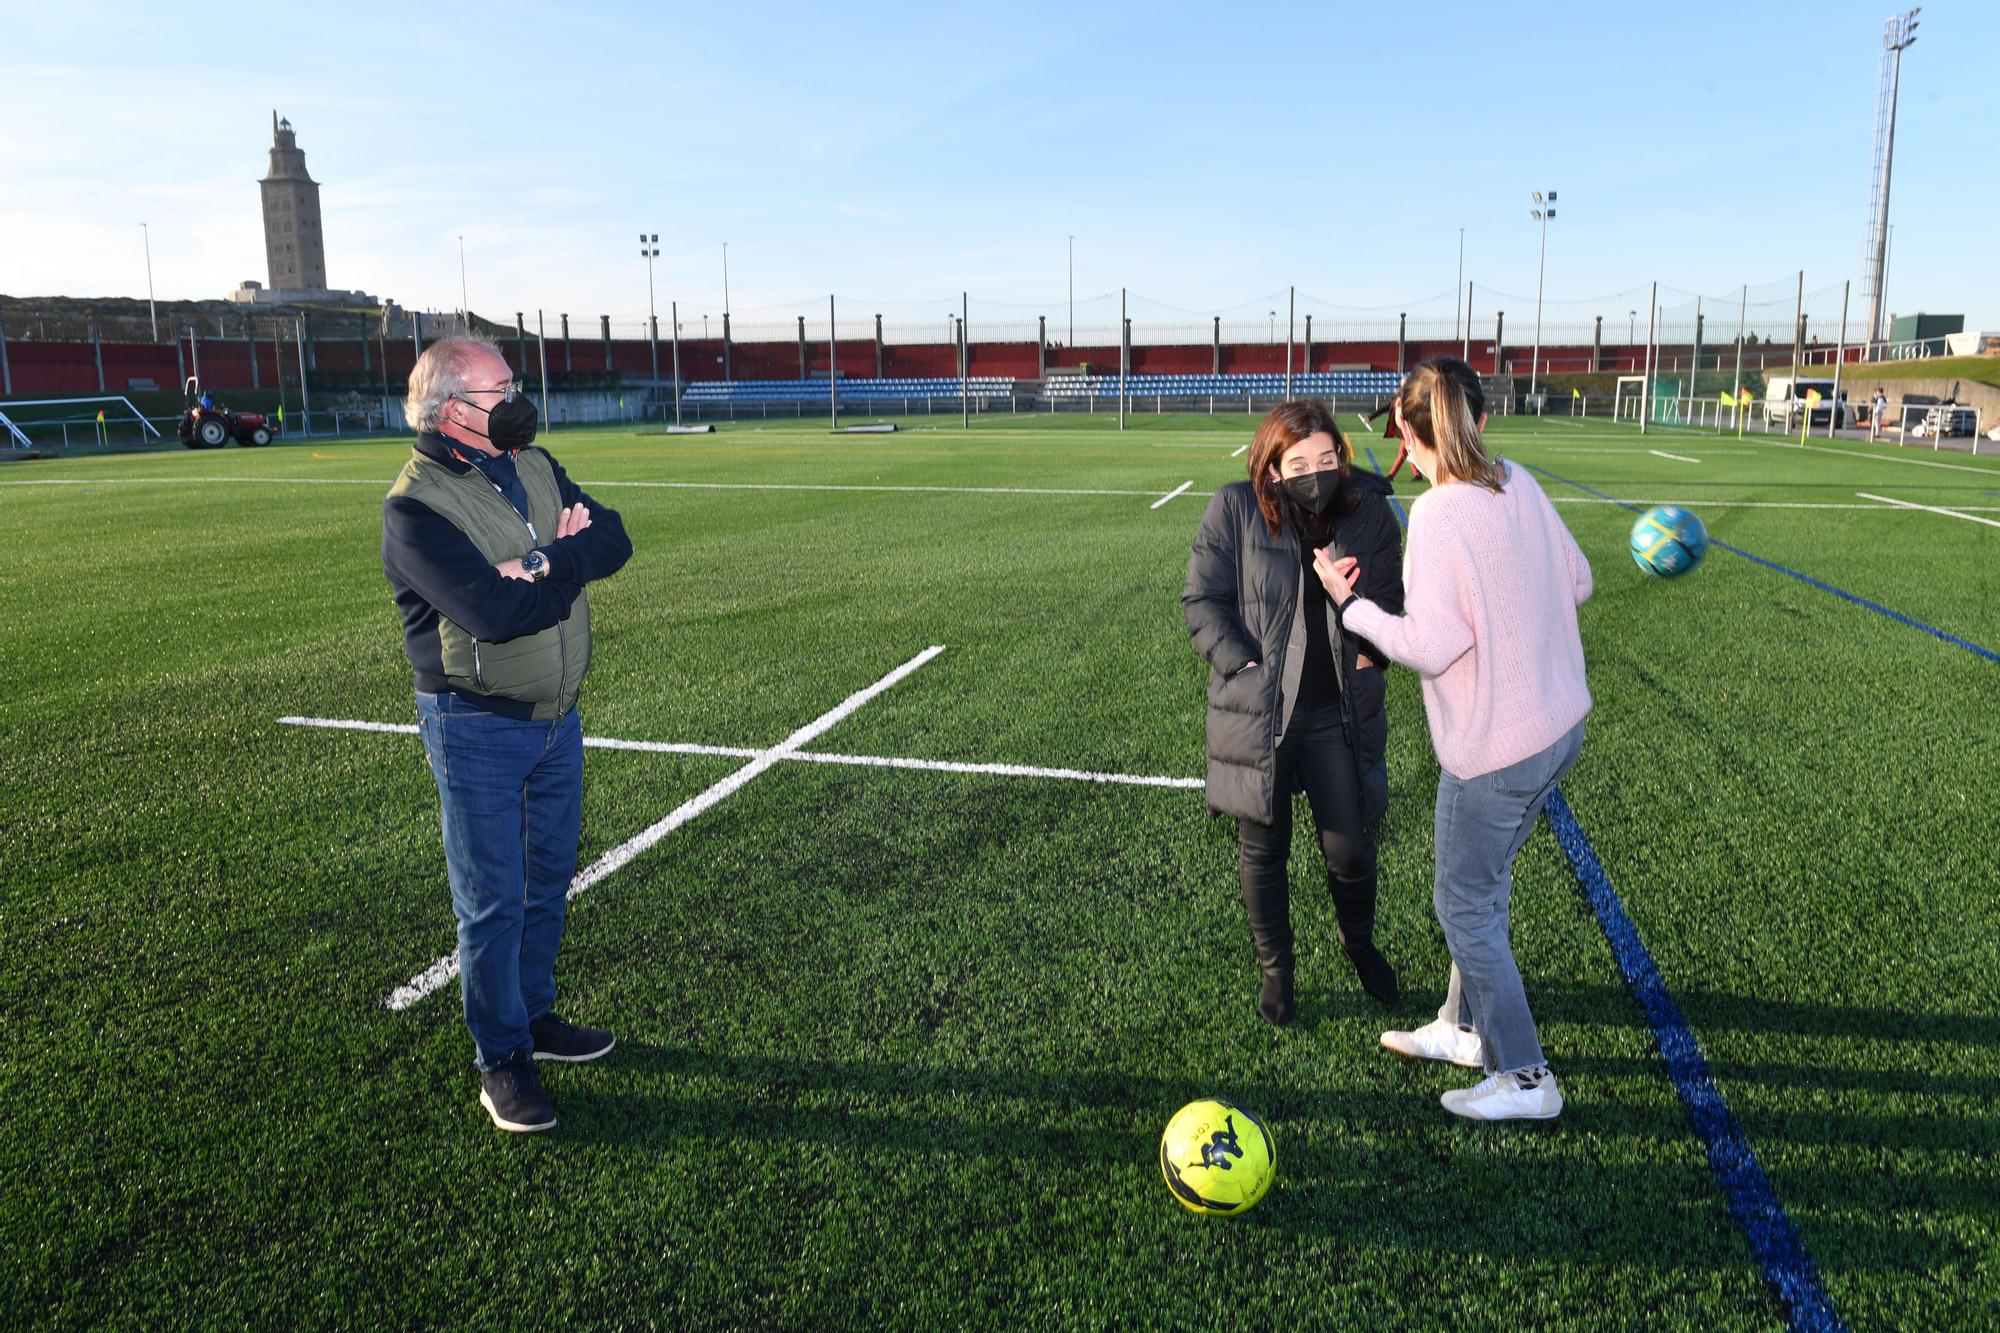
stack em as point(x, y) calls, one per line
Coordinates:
point(1784, 396)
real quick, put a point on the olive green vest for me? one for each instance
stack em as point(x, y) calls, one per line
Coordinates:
point(545, 669)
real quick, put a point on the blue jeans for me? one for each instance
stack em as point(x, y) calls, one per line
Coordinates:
point(512, 798)
point(1482, 824)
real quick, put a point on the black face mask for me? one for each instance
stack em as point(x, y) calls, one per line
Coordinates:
point(1314, 491)
point(510, 424)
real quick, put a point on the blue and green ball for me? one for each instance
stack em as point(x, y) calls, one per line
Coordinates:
point(1668, 540)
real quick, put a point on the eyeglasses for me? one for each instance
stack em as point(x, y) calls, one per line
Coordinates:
point(508, 392)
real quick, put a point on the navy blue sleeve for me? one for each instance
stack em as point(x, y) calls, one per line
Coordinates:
point(600, 550)
point(423, 551)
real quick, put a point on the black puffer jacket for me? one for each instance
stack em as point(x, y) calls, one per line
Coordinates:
point(1243, 604)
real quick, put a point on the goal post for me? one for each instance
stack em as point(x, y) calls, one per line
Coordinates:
point(72, 420)
point(1628, 398)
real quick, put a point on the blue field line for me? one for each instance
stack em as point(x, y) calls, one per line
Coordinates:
point(1879, 609)
point(1401, 517)
point(1756, 1207)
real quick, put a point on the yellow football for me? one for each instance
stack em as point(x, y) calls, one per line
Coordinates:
point(1217, 1157)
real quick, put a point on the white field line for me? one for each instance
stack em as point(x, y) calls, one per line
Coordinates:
point(608, 485)
point(1237, 452)
point(972, 490)
point(444, 969)
point(1877, 458)
point(820, 756)
point(1930, 509)
point(1739, 504)
point(1678, 458)
point(1178, 490)
point(1000, 770)
point(590, 742)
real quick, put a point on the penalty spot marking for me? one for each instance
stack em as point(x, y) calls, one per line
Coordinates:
point(445, 968)
point(1678, 458)
point(1178, 490)
point(1930, 509)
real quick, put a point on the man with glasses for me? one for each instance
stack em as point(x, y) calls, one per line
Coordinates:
point(489, 545)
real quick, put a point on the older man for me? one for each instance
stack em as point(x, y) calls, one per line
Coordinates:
point(489, 546)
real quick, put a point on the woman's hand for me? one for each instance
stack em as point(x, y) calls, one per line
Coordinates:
point(1338, 576)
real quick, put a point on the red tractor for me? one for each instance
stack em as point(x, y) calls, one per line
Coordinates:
point(203, 425)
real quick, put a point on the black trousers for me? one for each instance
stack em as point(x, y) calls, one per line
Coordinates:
point(1314, 754)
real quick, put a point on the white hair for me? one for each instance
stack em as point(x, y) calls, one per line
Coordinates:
point(439, 373)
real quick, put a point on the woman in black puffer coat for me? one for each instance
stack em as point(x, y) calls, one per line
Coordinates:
point(1294, 703)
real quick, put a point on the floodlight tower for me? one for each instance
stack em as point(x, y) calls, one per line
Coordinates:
point(1541, 213)
point(152, 316)
point(649, 249)
point(1898, 34)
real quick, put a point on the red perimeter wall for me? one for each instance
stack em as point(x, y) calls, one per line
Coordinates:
point(51, 369)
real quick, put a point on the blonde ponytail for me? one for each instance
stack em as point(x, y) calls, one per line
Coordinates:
point(1442, 402)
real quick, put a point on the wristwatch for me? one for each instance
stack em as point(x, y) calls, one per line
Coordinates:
point(535, 565)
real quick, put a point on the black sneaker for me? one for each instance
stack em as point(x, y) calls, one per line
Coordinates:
point(557, 1040)
point(512, 1094)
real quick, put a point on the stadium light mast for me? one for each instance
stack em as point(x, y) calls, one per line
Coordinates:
point(464, 301)
point(1541, 213)
point(1898, 35)
point(649, 248)
point(146, 235)
point(1072, 291)
point(725, 282)
point(1458, 286)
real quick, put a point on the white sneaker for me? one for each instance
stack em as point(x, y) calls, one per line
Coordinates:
point(1501, 1097)
point(1439, 1040)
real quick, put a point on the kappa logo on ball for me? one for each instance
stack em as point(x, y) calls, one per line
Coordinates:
point(1221, 1146)
point(1217, 1158)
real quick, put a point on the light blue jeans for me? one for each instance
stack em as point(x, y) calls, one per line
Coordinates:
point(1482, 824)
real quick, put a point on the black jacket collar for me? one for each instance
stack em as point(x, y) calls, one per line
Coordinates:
point(442, 449)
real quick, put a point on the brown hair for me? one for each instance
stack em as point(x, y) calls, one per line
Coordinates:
point(1442, 401)
point(1282, 427)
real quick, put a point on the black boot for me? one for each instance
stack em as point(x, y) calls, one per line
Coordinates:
point(1267, 901)
point(1274, 999)
point(1354, 909)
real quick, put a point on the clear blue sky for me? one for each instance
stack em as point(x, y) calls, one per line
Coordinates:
point(1205, 156)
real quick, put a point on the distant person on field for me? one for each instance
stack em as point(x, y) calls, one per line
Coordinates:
point(1294, 696)
point(1494, 580)
point(488, 545)
point(1878, 413)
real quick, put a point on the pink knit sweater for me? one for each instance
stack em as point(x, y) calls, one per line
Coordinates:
point(1492, 586)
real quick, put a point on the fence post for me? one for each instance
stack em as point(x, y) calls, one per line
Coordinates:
point(568, 367)
point(878, 355)
point(1041, 346)
point(97, 349)
point(1597, 345)
point(1215, 355)
point(1308, 367)
point(250, 341)
point(1402, 342)
point(1499, 341)
point(6, 375)
point(604, 328)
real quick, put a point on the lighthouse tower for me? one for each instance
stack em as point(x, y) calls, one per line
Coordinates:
point(293, 242)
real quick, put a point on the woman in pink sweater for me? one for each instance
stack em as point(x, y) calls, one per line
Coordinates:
point(1493, 582)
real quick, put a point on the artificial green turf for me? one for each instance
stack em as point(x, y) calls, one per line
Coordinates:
point(896, 1045)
